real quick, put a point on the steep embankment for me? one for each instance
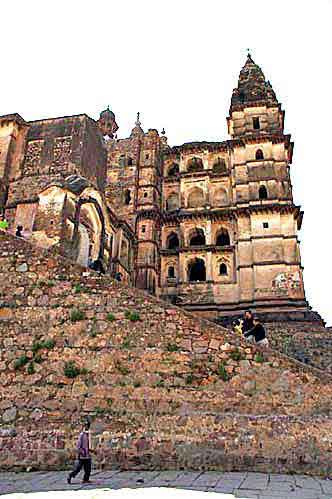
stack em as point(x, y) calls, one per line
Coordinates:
point(165, 388)
point(308, 342)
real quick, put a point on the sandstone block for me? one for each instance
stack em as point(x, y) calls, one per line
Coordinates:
point(9, 415)
point(22, 268)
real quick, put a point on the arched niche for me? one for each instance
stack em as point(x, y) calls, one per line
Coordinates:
point(196, 198)
point(173, 170)
point(222, 237)
point(219, 166)
point(172, 202)
point(172, 241)
point(220, 197)
point(194, 164)
point(196, 270)
point(197, 237)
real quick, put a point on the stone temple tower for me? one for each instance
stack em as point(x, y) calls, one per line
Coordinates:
point(269, 264)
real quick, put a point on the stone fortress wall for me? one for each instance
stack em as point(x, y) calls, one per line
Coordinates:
point(165, 389)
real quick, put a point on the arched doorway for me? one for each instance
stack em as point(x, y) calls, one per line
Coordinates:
point(197, 270)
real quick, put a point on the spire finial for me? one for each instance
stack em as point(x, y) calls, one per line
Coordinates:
point(163, 131)
point(138, 123)
point(108, 107)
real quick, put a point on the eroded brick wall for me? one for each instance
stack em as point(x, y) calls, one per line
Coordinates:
point(164, 388)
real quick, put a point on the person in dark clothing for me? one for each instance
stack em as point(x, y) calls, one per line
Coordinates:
point(248, 321)
point(84, 455)
point(19, 230)
point(257, 333)
point(97, 266)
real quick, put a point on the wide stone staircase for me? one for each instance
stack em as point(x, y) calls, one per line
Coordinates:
point(163, 388)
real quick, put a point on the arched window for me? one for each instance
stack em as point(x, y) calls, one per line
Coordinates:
point(171, 272)
point(196, 270)
point(222, 269)
point(223, 238)
point(127, 196)
point(220, 197)
point(194, 165)
point(196, 198)
point(259, 154)
point(172, 241)
point(262, 192)
point(173, 170)
point(197, 238)
point(130, 162)
point(172, 202)
point(219, 166)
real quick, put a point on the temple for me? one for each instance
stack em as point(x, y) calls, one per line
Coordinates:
point(210, 226)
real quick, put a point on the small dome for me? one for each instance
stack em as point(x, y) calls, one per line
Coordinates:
point(107, 114)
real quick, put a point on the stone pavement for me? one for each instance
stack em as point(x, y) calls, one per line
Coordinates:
point(242, 485)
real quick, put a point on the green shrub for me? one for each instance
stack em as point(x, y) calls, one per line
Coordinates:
point(39, 345)
point(49, 344)
point(132, 316)
point(172, 347)
point(71, 370)
point(236, 355)
point(20, 362)
point(31, 368)
point(137, 384)
point(99, 410)
point(110, 317)
point(77, 315)
point(78, 288)
point(38, 358)
point(223, 374)
point(259, 357)
point(126, 343)
point(189, 379)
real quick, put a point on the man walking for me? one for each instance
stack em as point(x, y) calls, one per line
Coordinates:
point(84, 457)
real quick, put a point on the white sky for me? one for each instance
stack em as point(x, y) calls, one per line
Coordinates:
point(177, 62)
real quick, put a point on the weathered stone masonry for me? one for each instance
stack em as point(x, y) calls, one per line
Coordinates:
point(211, 226)
point(165, 389)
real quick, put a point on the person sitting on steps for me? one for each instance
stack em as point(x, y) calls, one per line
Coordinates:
point(248, 321)
point(257, 333)
point(19, 230)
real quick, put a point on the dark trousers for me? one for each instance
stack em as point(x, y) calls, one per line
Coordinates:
point(82, 463)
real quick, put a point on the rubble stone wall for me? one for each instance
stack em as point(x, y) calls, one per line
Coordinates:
point(164, 388)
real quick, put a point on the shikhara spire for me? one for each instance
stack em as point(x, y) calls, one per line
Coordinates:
point(137, 130)
point(252, 87)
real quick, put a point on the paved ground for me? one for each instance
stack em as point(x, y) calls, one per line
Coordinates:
point(242, 485)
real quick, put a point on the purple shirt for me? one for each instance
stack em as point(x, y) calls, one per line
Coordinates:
point(83, 445)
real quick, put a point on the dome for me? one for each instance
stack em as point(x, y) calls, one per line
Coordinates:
point(107, 114)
